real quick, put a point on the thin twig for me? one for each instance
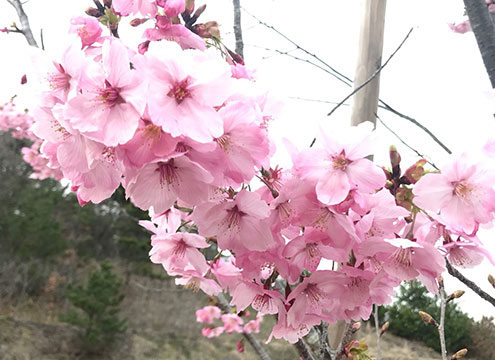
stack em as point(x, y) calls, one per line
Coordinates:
point(303, 350)
point(373, 76)
point(418, 124)
point(344, 79)
point(26, 28)
point(325, 352)
point(406, 144)
point(42, 40)
point(455, 273)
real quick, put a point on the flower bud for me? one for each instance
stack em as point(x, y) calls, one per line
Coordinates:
point(355, 327)
point(491, 280)
point(384, 328)
point(190, 6)
point(440, 281)
point(460, 354)
point(456, 295)
point(23, 79)
point(137, 21)
point(427, 318)
point(94, 12)
point(199, 11)
point(240, 346)
point(415, 172)
point(394, 160)
point(208, 30)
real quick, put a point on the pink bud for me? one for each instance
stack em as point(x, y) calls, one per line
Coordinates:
point(23, 79)
point(137, 21)
point(240, 346)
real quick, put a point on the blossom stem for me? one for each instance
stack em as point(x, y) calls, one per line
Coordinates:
point(441, 326)
point(303, 350)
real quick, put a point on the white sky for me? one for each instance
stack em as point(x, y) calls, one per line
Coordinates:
point(437, 77)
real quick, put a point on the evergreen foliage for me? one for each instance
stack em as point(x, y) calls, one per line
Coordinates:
point(99, 300)
point(405, 321)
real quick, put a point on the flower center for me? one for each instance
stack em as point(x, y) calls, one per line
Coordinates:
point(340, 161)
point(180, 249)
point(168, 172)
point(110, 95)
point(312, 250)
point(313, 293)
point(223, 141)
point(461, 189)
point(234, 216)
point(402, 257)
point(180, 90)
point(261, 302)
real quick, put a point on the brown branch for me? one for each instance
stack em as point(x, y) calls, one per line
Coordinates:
point(374, 75)
point(239, 45)
point(303, 350)
point(455, 273)
point(26, 28)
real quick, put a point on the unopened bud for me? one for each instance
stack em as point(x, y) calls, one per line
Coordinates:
point(394, 160)
point(94, 12)
point(403, 197)
point(137, 21)
point(384, 328)
point(440, 281)
point(427, 318)
point(199, 11)
point(240, 346)
point(23, 79)
point(190, 6)
point(415, 172)
point(491, 280)
point(456, 295)
point(460, 354)
point(208, 30)
point(355, 327)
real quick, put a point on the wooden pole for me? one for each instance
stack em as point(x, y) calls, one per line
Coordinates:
point(365, 102)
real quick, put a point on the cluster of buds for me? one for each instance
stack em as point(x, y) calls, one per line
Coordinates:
point(397, 182)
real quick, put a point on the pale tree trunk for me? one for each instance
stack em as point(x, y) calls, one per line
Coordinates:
point(365, 102)
point(26, 28)
point(481, 23)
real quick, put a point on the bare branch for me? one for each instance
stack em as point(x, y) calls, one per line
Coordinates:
point(239, 45)
point(441, 325)
point(42, 40)
point(345, 340)
point(377, 332)
point(406, 144)
point(303, 350)
point(372, 76)
point(325, 352)
point(455, 273)
point(342, 78)
point(26, 28)
point(415, 122)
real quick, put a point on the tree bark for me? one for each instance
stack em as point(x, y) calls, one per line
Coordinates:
point(483, 30)
point(239, 45)
point(26, 28)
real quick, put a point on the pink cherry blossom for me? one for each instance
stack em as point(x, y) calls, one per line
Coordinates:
point(462, 195)
point(87, 28)
point(231, 323)
point(208, 314)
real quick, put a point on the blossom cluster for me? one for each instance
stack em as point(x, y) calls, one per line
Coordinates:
point(231, 322)
point(184, 130)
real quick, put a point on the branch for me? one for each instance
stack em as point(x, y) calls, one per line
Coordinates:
point(441, 326)
point(415, 122)
point(378, 335)
point(483, 30)
point(455, 273)
point(406, 144)
point(26, 28)
point(342, 78)
point(260, 351)
point(377, 71)
point(303, 350)
point(239, 45)
point(345, 340)
point(325, 350)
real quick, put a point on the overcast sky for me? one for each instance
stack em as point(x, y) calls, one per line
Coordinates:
point(437, 77)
